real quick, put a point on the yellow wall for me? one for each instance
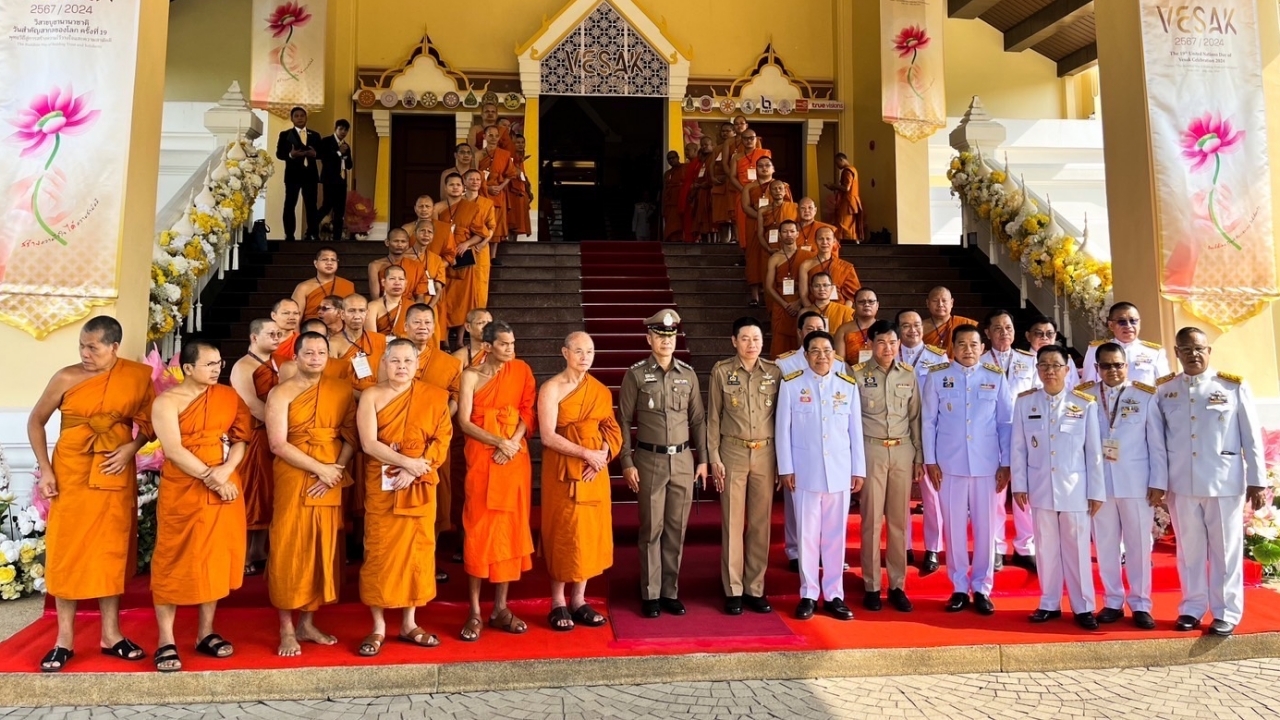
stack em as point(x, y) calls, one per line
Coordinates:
point(1011, 85)
point(208, 48)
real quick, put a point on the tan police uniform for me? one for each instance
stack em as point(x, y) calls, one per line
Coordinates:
point(670, 421)
point(891, 433)
point(740, 437)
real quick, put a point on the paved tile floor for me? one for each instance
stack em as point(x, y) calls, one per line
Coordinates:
point(1245, 689)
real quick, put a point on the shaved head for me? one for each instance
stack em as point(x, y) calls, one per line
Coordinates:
point(575, 336)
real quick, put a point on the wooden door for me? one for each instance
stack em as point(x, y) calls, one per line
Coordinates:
point(421, 148)
point(785, 140)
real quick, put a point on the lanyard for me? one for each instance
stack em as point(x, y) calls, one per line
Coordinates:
point(1113, 410)
point(357, 345)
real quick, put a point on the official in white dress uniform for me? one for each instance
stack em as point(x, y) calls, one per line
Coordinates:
point(1147, 360)
point(1215, 459)
point(1134, 464)
point(820, 460)
point(789, 362)
point(1057, 471)
point(965, 422)
point(1020, 372)
point(914, 352)
point(1043, 331)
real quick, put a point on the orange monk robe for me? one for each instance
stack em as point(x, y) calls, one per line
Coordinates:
point(498, 166)
point(672, 182)
point(702, 202)
point(284, 353)
point(468, 287)
point(757, 256)
point(93, 521)
point(808, 237)
point(255, 469)
point(746, 173)
point(443, 242)
point(391, 323)
point(723, 197)
point(686, 200)
point(200, 538)
point(498, 544)
point(442, 370)
point(843, 276)
point(577, 517)
point(415, 274)
point(855, 342)
point(785, 334)
point(771, 216)
point(303, 569)
point(339, 286)
point(940, 335)
point(836, 314)
point(437, 281)
point(504, 138)
point(849, 215)
point(518, 202)
point(399, 526)
point(372, 346)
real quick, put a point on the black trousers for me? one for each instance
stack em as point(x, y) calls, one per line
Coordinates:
point(335, 201)
point(309, 192)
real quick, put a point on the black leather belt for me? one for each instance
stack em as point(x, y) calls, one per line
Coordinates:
point(663, 449)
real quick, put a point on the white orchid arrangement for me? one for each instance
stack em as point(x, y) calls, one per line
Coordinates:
point(22, 547)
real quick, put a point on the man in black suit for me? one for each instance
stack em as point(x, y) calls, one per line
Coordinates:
point(335, 162)
point(299, 147)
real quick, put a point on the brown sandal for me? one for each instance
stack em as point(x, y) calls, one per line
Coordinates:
point(371, 645)
point(505, 620)
point(471, 631)
point(415, 637)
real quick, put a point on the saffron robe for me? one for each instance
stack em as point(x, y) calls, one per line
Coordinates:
point(688, 227)
point(91, 538)
point(722, 195)
point(497, 543)
point(284, 353)
point(855, 341)
point(785, 335)
point(442, 370)
point(303, 568)
point(836, 314)
point(392, 322)
point(808, 237)
point(940, 335)
point(256, 468)
point(849, 216)
point(771, 217)
point(843, 276)
point(498, 167)
point(672, 224)
point(200, 538)
point(399, 526)
point(577, 517)
point(415, 273)
point(339, 286)
point(469, 287)
point(518, 202)
point(746, 163)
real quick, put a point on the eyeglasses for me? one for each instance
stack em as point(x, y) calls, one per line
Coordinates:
point(1050, 334)
point(327, 308)
point(1105, 367)
point(212, 365)
point(821, 286)
point(1192, 350)
point(1126, 322)
point(1051, 367)
point(866, 302)
point(821, 351)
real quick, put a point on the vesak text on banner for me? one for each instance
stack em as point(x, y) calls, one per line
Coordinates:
point(1209, 145)
point(288, 54)
point(68, 71)
point(914, 100)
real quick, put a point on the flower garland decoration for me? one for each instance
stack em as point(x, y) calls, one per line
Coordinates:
point(191, 248)
point(1030, 236)
point(22, 549)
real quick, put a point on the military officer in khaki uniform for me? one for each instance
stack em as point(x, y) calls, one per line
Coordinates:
point(895, 459)
point(661, 394)
point(740, 400)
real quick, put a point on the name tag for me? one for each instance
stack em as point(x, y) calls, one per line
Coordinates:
point(987, 386)
point(773, 237)
point(388, 479)
point(1111, 450)
point(522, 178)
point(486, 175)
point(788, 286)
point(226, 448)
point(751, 174)
point(702, 172)
point(719, 157)
point(864, 356)
point(431, 287)
point(360, 363)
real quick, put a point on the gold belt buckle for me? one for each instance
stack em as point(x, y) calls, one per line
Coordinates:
point(892, 443)
point(753, 444)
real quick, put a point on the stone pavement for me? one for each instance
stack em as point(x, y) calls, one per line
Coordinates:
point(1243, 689)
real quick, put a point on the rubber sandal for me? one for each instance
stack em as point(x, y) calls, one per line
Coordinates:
point(471, 630)
point(125, 650)
point(58, 655)
point(558, 616)
point(371, 645)
point(506, 620)
point(586, 615)
point(415, 637)
point(167, 653)
point(212, 645)
point(254, 568)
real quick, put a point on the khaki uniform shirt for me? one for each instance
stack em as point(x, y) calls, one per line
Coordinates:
point(666, 406)
point(741, 402)
point(890, 404)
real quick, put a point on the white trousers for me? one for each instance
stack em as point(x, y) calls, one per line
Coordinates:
point(1210, 533)
point(1125, 523)
point(789, 543)
point(965, 501)
point(931, 504)
point(821, 528)
point(1024, 542)
point(1063, 539)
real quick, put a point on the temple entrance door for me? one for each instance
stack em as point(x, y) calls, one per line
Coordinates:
point(785, 142)
point(599, 156)
point(421, 148)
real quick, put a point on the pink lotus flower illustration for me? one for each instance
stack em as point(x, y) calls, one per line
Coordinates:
point(910, 40)
point(45, 120)
point(282, 21)
point(1208, 137)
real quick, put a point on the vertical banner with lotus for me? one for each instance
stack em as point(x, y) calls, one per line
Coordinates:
point(1209, 149)
point(288, 54)
point(68, 95)
point(914, 100)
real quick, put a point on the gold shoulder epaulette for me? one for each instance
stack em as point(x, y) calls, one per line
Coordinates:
point(1086, 385)
point(994, 368)
point(1082, 394)
point(1096, 343)
point(642, 362)
point(788, 353)
point(936, 350)
point(683, 364)
point(1154, 346)
point(766, 361)
point(1166, 379)
point(1028, 353)
point(939, 366)
point(847, 378)
point(1025, 393)
point(859, 366)
point(1144, 387)
point(839, 357)
point(1231, 378)
point(904, 366)
point(793, 375)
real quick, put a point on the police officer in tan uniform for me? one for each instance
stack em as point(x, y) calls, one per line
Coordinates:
point(895, 459)
point(740, 400)
point(661, 394)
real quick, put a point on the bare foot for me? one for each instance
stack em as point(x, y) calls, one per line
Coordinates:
point(313, 634)
point(289, 646)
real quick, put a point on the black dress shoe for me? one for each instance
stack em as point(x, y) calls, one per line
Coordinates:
point(1024, 561)
point(1110, 615)
point(983, 604)
point(671, 605)
point(871, 600)
point(805, 609)
point(930, 564)
point(757, 604)
point(793, 565)
point(650, 608)
point(998, 565)
point(442, 576)
point(1144, 620)
point(837, 609)
point(1042, 616)
point(911, 556)
point(733, 605)
point(1087, 620)
point(1185, 623)
point(899, 600)
point(957, 602)
point(1222, 628)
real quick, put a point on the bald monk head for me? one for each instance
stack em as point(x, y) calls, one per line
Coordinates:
point(400, 361)
point(808, 210)
point(489, 114)
point(778, 189)
point(748, 140)
point(579, 352)
point(739, 124)
point(463, 155)
point(264, 336)
point(311, 350)
point(420, 323)
point(499, 341)
point(519, 142)
point(673, 159)
point(201, 363)
point(423, 207)
point(940, 304)
point(706, 146)
point(393, 282)
point(825, 240)
point(866, 305)
point(314, 325)
point(492, 134)
point(398, 241)
point(99, 342)
point(842, 160)
point(764, 169)
point(286, 315)
point(726, 131)
point(453, 186)
point(690, 151)
point(820, 288)
point(326, 263)
point(472, 181)
point(354, 309)
point(788, 232)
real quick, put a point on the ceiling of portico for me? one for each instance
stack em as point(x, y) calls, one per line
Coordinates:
point(1061, 30)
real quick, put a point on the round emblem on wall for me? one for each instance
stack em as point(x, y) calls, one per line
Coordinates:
point(689, 104)
point(511, 101)
point(410, 99)
point(747, 106)
point(786, 106)
point(706, 104)
point(429, 99)
point(389, 98)
point(471, 101)
point(727, 106)
point(451, 100)
point(367, 98)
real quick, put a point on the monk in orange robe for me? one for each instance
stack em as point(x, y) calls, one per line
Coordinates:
point(498, 168)
point(820, 291)
point(849, 215)
point(253, 376)
point(519, 194)
point(770, 218)
point(495, 412)
point(310, 292)
point(941, 322)
point(402, 252)
point(808, 225)
point(853, 339)
point(843, 275)
point(92, 484)
point(435, 268)
point(472, 218)
point(745, 172)
point(312, 430)
point(199, 555)
point(755, 198)
point(703, 228)
point(386, 314)
point(489, 116)
point(286, 314)
point(672, 183)
point(693, 167)
point(782, 283)
point(442, 370)
point(355, 348)
point(472, 354)
point(580, 435)
point(404, 432)
point(722, 197)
